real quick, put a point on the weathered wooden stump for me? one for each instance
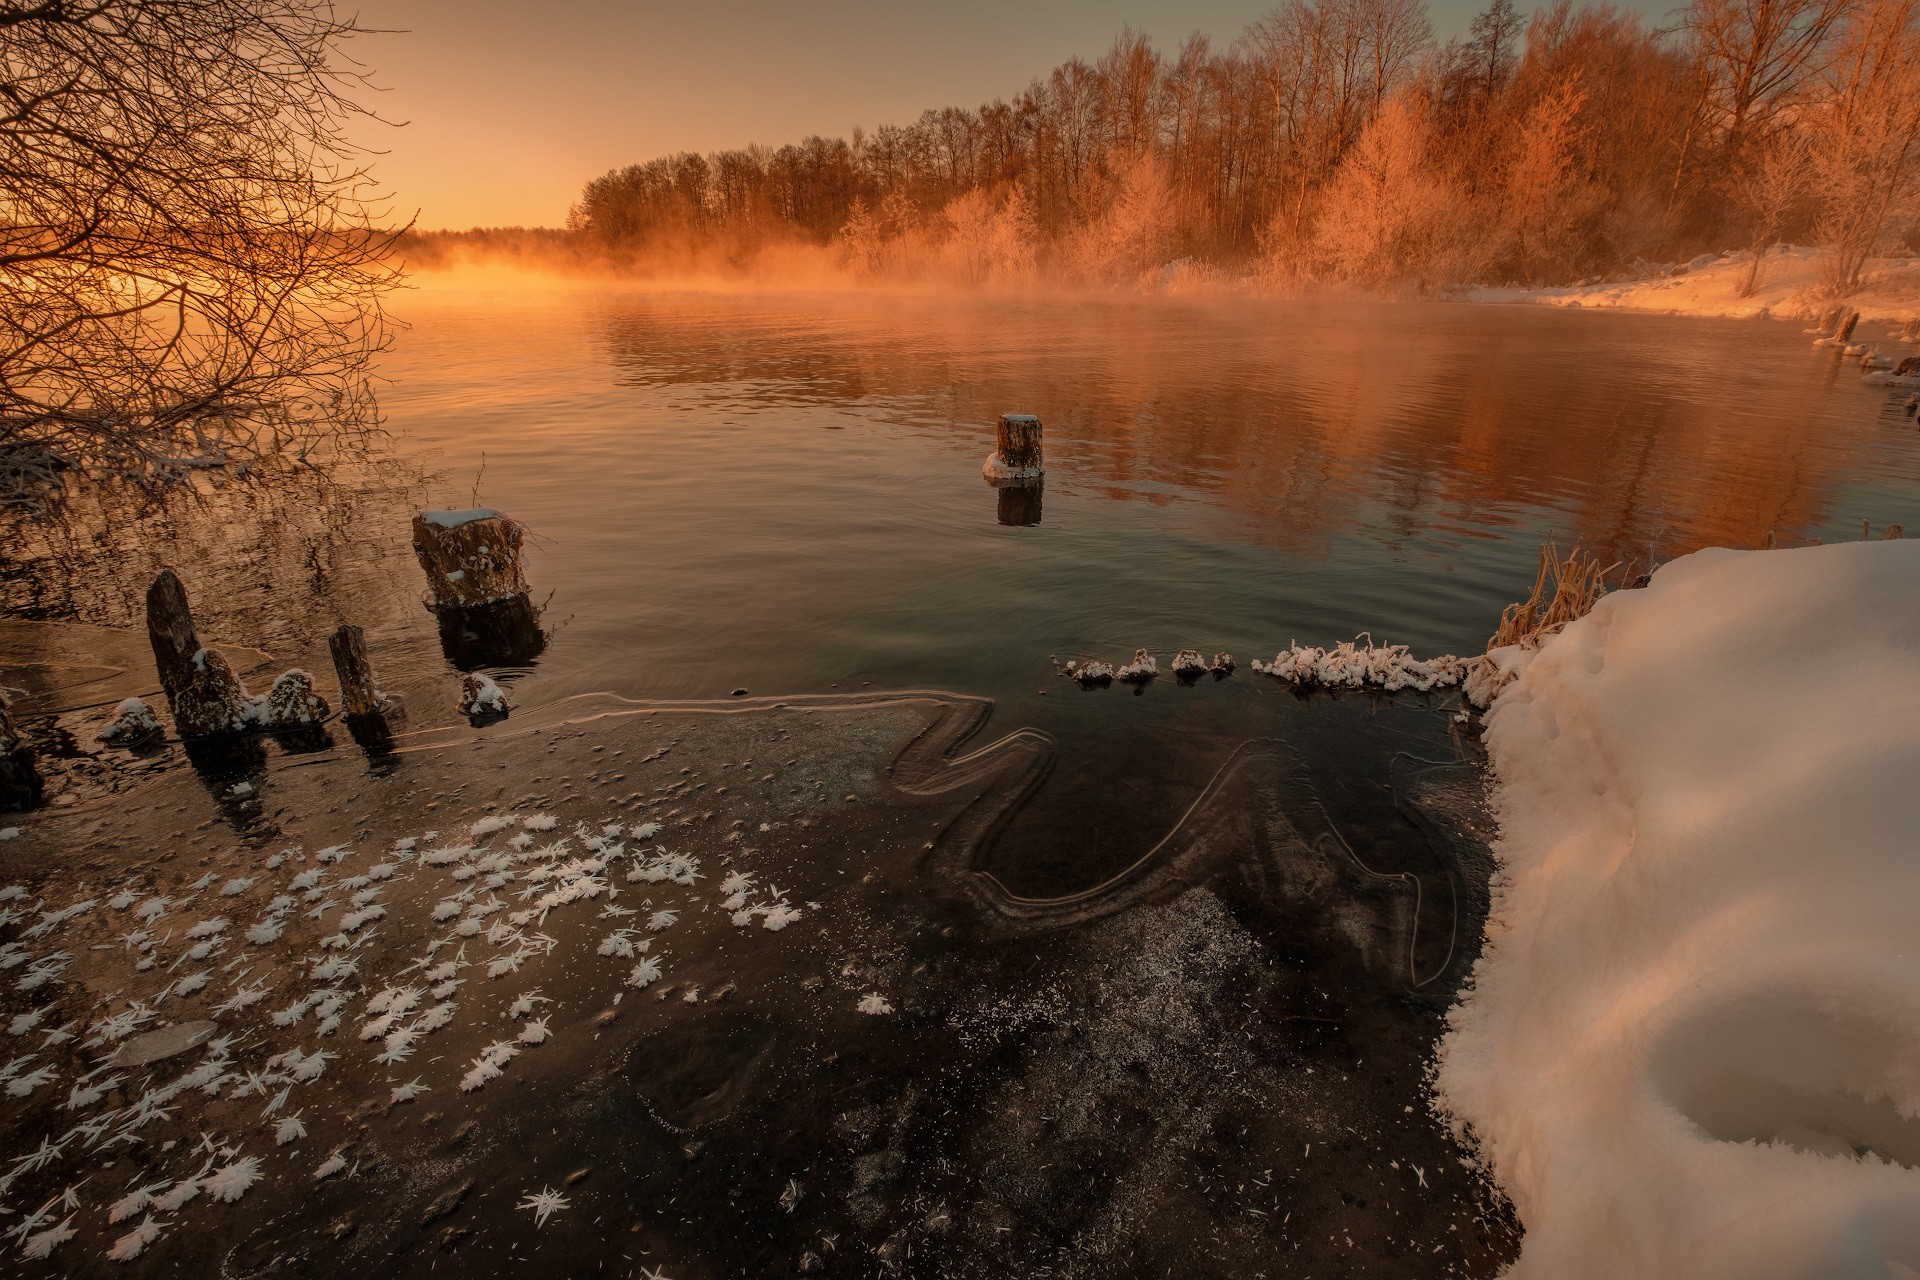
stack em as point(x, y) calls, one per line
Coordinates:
point(1020, 504)
point(1018, 458)
point(1830, 322)
point(21, 786)
point(132, 724)
point(212, 700)
point(1844, 334)
point(481, 700)
point(290, 704)
point(471, 557)
point(358, 697)
point(202, 689)
point(1911, 333)
point(480, 597)
point(1908, 368)
point(170, 631)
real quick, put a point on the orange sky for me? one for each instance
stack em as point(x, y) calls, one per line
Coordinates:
point(510, 107)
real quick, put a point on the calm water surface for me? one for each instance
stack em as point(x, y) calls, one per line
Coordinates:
point(782, 492)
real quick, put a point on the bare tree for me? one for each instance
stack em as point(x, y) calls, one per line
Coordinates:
point(1774, 180)
point(191, 260)
point(1758, 56)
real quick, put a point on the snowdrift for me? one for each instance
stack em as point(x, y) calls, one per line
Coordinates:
point(1789, 286)
point(1692, 1046)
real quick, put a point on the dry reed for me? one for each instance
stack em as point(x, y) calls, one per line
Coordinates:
point(1578, 583)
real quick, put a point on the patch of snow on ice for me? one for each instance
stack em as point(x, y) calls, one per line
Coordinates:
point(454, 519)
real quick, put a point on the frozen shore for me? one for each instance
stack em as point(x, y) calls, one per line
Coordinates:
point(1692, 1045)
point(1789, 287)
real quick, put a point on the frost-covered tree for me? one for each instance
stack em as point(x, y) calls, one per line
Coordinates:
point(1547, 196)
point(1866, 136)
point(1390, 216)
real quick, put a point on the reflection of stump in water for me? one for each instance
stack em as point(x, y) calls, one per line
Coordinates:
point(505, 633)
point(1020, 503)
point(227, 761)
point(20, 785)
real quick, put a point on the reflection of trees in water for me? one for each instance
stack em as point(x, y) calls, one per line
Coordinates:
point(278, 560)
point(1306, 421)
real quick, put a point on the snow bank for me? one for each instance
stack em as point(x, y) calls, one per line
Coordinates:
point(1692, 1047)
point(1789, 286)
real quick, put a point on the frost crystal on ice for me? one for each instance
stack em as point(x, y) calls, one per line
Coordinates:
point(544, 1204)
point(232, 1181)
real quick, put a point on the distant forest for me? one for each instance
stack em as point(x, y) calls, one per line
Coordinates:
point(1336, 140)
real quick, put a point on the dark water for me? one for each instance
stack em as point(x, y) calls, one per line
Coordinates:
point(782, 493)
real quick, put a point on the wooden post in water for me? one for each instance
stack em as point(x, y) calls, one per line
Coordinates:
point(201, 688)
point(471, 557)
point(1019, 441)
point(358, 698)
point(1844, 334)
point(480, 599)
point(170, 631)
point(1018, 458)
point(20, 783)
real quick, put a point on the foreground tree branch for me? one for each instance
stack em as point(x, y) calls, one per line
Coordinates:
point(191, 251)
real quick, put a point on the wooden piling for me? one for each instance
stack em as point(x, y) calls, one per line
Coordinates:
point(358, 697)
point(471, 558)
point(1844, 334)
point(21, 786)
point(170, 631)
point(202, 689)
point(1019, 441)
point(1017, 457)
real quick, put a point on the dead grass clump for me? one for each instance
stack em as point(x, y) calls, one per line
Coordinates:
point(1578, 583)
point(1564, 589)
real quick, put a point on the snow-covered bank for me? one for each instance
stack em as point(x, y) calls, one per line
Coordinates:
point(1789, 287)
point(1692, 1047)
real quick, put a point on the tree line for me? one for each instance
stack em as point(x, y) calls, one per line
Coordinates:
point(1338, 140)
